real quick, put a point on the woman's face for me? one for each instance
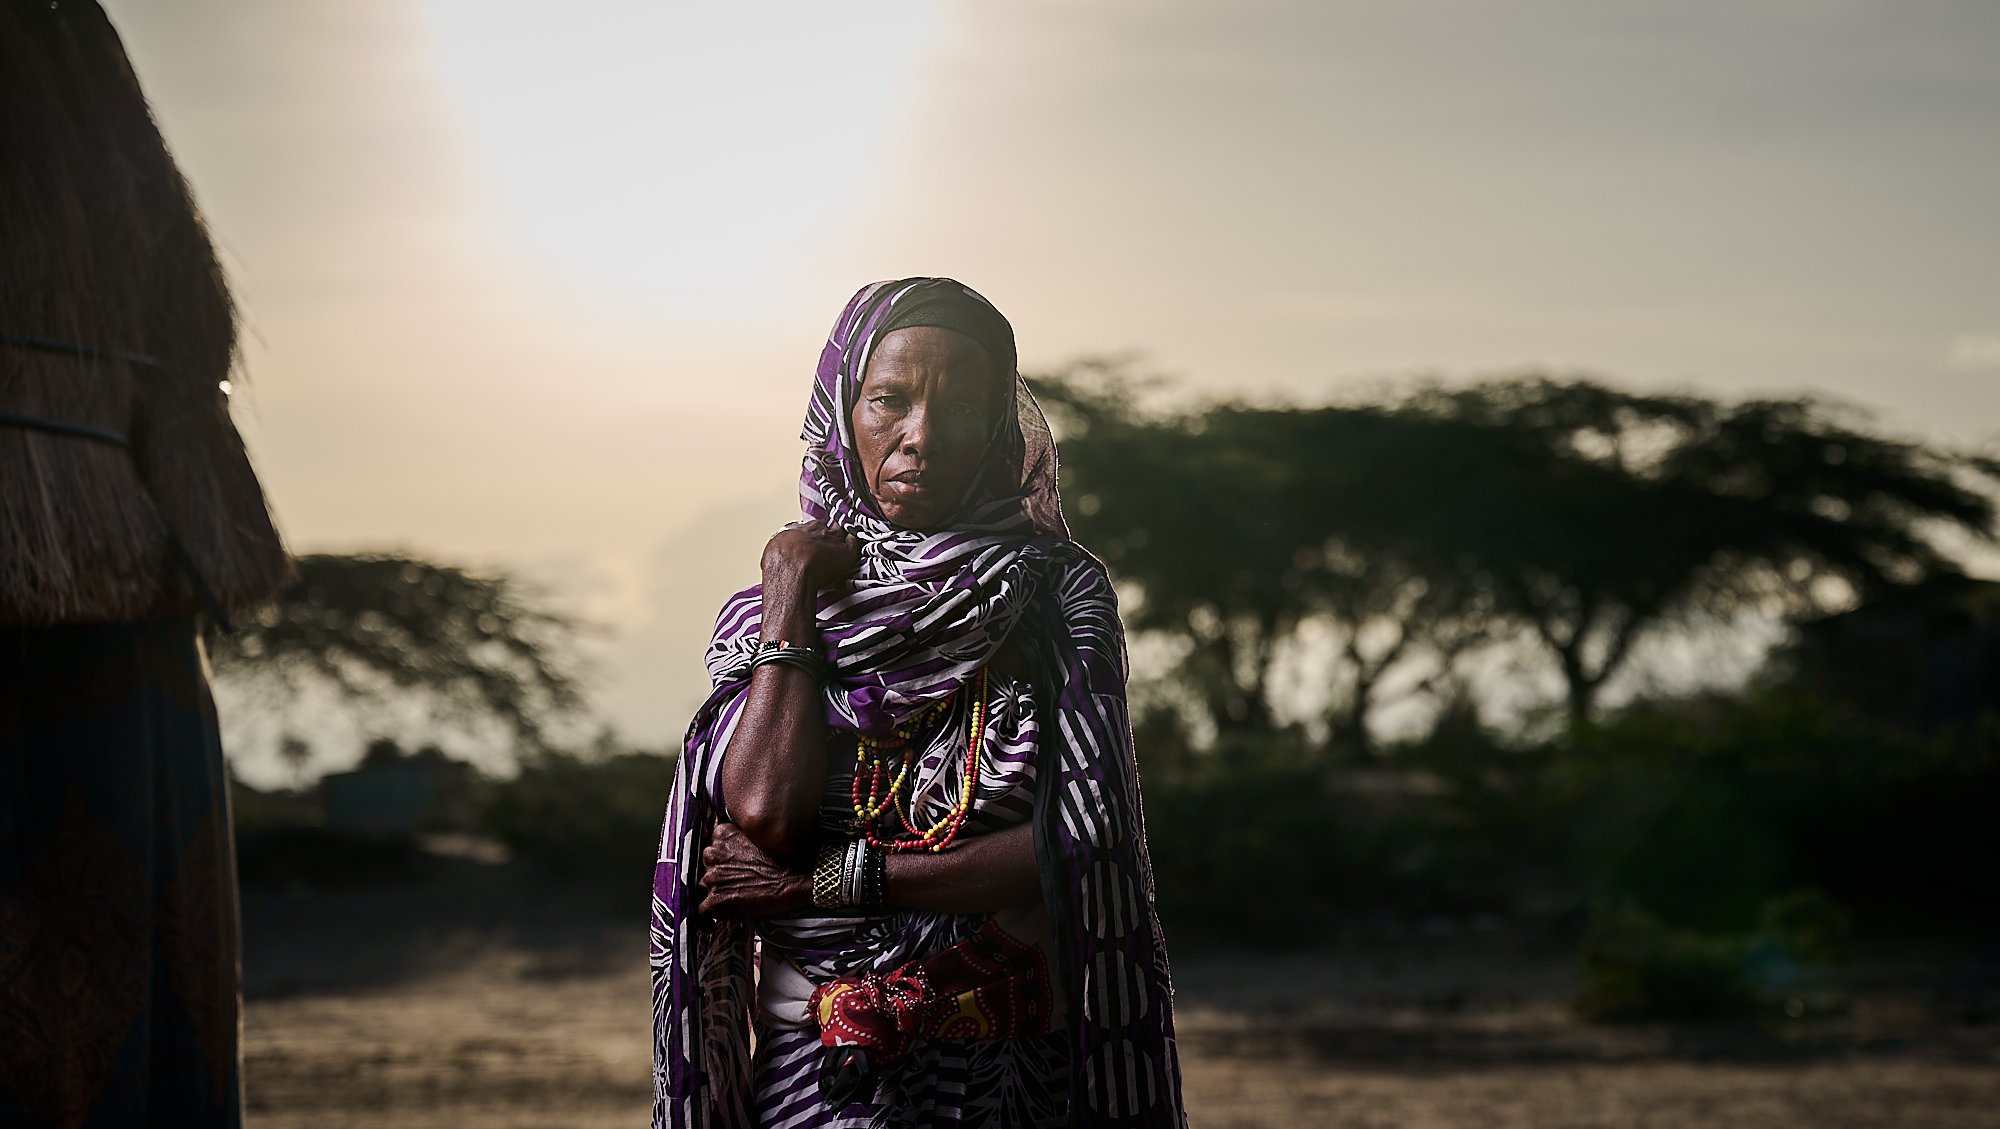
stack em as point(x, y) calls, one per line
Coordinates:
point(921, 421)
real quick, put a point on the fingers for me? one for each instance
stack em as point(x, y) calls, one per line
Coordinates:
point(729, 855)
point(728, 901)
point(819, 530)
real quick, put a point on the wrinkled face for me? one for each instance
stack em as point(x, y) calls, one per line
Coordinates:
point(921, 421)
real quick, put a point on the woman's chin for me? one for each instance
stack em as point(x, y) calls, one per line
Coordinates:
point(914, 515)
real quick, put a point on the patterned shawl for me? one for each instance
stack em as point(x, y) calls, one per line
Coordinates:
point(925, 611)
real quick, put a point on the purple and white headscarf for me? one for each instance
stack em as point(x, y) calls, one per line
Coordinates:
point(926, 611)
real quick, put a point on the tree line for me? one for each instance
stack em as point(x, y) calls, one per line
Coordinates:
point(1691, 848)
point(1575, 515)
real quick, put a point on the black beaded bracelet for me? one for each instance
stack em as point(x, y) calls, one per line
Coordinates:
point(799, 655)
point(875, 877)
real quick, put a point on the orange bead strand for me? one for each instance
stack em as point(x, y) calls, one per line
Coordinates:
point(869, 762)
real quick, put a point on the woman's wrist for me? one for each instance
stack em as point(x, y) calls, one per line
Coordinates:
point(788, 609)
point(849, 874)
point(798, 892)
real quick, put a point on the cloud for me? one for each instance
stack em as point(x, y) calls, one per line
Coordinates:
point(1974, 352)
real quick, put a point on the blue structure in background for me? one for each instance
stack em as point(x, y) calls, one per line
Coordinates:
point(396, 794)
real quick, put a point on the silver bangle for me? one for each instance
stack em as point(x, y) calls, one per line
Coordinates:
point(791, 654)
point(857, 853)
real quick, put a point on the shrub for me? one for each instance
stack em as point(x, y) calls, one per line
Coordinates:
point(1257, 841)
point(321, 856)
point(1633, 965)
point(584, 816)
point(280, 839)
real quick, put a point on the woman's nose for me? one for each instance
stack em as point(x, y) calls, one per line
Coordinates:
point(916, 437)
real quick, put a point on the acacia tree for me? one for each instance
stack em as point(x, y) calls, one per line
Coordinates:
point(1216, 520)
point(1176, 513)
point(1595, 516)
point(1391, 611)
point(372, 628)
point(1582, 515)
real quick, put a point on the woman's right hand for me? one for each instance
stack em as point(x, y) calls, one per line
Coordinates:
point(812, 555)
point(742, 881)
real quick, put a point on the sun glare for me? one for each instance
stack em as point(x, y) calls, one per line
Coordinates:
point(675, 152)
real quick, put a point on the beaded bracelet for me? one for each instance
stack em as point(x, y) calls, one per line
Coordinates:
point(848, 875)
point(827, 879)
point(804, 657)
point(874, 875)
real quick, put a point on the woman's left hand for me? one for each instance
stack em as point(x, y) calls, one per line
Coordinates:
point(743, 881)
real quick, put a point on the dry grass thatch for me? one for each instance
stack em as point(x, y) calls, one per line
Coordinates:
point(100, 244)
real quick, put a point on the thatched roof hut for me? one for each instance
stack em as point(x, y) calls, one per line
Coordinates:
point(102, 249)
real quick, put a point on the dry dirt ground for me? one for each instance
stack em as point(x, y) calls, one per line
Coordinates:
point(480, 995)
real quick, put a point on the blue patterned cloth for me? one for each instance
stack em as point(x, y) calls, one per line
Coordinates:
point(118, 930)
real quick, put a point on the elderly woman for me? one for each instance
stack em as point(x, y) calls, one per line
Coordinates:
point(905, 844)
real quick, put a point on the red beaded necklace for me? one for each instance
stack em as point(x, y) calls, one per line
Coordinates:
point(871, 761)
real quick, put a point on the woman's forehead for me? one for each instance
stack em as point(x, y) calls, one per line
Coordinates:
point(911, 350)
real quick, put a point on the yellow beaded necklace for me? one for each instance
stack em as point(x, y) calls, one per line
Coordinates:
point(871, 754)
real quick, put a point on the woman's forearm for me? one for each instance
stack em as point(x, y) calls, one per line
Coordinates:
point(774, 769)
point(981, 874)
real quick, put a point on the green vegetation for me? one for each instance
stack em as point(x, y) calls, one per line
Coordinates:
point(1695, 846)
point(1703, 853)
point(595, 814)
point(376, 628)
point(1569, 514)
point(1634, 965)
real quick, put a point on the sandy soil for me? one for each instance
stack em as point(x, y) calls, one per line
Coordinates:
point(479, 995)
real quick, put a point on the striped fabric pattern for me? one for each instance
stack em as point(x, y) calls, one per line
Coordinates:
point(944, 1082)
point(925, 612)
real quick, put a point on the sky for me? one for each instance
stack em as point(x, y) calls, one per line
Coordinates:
point(539, 288)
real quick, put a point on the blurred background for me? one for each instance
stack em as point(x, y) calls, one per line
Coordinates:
point(1547, 452)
